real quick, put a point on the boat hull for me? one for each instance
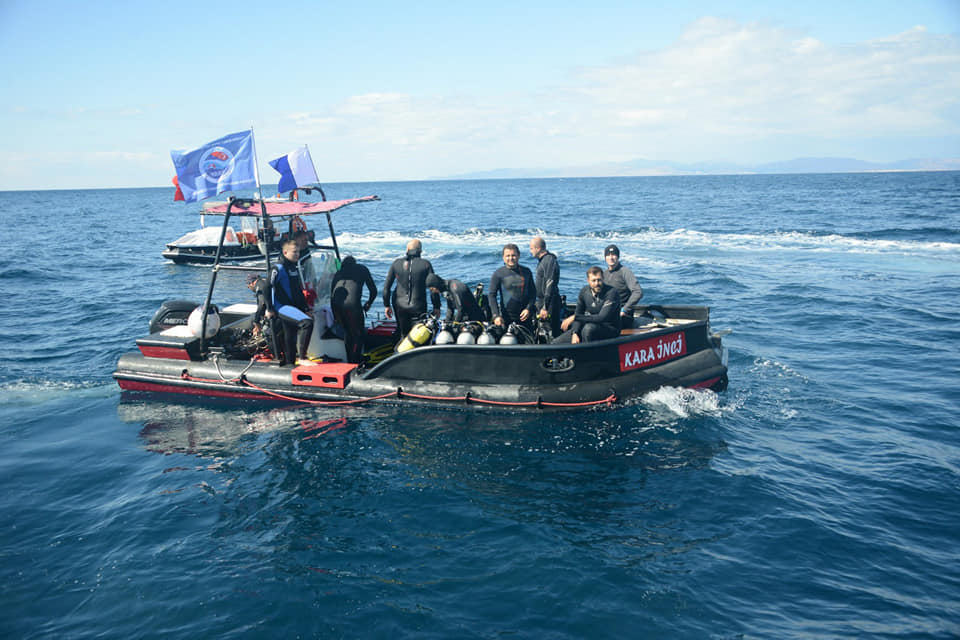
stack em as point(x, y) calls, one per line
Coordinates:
point(206, 254)
point(544, 377)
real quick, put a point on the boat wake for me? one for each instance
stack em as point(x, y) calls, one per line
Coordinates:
point(666, 404)
point(385, 243)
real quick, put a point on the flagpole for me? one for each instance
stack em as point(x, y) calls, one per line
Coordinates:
point(267, 223)
point(256, 163)
point(323, 196)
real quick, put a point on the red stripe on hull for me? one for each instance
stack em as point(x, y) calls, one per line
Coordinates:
point(134, 385)
point(171, 353)
point(706, 384)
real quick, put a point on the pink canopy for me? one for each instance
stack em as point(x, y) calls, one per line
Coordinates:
point(284, 207)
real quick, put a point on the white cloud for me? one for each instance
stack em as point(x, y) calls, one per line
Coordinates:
point(724, 78)
point(722, 90)
point(719, 84)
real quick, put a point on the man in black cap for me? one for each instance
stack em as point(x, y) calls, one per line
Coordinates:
point(622, 279)
point(461, 304)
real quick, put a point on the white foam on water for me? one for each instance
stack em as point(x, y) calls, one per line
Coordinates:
point(392, 242)
point(34, 392)
point(683, 403)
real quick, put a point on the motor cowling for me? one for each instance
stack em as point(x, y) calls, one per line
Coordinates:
point(171, 313)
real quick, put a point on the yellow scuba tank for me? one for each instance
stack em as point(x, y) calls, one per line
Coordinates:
point(419, 335)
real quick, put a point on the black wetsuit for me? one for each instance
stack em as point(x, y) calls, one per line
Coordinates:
point(548, 289)
point(516, 291)
point(261, 289)
point(288, 293)
point(410, 299)
point(345, 294)
point(596, 317)
point(461, 304)
point(622, 279)
point(268, 326)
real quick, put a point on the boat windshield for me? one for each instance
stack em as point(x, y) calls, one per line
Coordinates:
point(317, 272)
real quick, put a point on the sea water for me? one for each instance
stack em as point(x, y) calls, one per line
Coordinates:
point(818, 497)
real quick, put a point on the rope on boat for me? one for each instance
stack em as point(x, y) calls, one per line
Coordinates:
point(466, 398)
point(306, 401)
point(400, 393)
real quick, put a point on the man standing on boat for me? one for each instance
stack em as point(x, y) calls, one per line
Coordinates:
point(290, 304)
point(622, 279)
point(346, 290)
point(548, 284)
point(409, 301)
point(461, 304)
point(512, 292)
point(595, 318)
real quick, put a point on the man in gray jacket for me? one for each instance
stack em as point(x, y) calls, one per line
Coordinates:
point(622, 279)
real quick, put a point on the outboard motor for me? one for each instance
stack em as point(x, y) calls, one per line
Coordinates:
point(419, 335)
point(446, 334)
point(171, 313)
point(469, 333)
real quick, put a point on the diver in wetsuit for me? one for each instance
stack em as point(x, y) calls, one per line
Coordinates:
point(461, 303)
point(410, 299)
point(345, 294)
point(622, 279)
point(290, 305)
point(548, 284)
point(512, 291)
point(597, 313)
point(261, 289)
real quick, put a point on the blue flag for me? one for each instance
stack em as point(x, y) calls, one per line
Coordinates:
point(295, 169)
point(226, 164)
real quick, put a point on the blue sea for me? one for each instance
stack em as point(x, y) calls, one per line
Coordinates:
point(818, 497)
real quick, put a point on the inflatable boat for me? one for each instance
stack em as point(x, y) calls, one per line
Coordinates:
point(218, 356)
point(247, 244)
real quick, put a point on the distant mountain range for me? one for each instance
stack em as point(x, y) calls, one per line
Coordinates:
point(641, 167)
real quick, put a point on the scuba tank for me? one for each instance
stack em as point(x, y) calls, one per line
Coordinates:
point(419, 335)
point(445, 336)
point(469, 333)
point(517, 334)
point(489, 334)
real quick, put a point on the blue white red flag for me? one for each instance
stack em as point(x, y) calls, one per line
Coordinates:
point(295, 169)
point(226, 164)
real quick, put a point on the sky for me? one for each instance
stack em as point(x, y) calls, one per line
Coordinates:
point(97, 94)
